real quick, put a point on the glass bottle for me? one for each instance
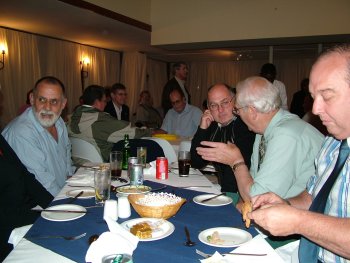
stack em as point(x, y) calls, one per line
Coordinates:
point(126, 152)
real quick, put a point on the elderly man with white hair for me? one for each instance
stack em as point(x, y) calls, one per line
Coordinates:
point(284, 150)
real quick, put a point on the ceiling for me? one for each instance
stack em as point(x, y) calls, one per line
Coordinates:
point(84, 23)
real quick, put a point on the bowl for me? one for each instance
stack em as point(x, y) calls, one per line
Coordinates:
point(164, 212)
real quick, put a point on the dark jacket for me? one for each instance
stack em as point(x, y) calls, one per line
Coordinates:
point(169, 87)
point(19, 192)
point(111, 110)
point(236, 132)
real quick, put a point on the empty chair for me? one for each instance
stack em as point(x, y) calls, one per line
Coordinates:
point(168, 149)
point(154, 150)
point(84, 150)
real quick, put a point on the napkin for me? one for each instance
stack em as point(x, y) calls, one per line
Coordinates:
point(150, 172)
point(106, 243)
point(82, 177)
point(17, 234)
point(257, 245)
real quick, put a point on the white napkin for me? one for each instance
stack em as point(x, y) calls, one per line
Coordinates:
point(150, 172)
point(17, 234)
point(257, 245)
point(82, 177)
point(117, 241)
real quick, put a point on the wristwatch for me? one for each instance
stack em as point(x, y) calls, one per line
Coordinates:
point(236, 165)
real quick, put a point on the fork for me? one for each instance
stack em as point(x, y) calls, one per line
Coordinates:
point(205, 255)
point(58, 236)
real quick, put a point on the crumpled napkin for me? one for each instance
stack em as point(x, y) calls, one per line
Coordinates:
point(257, 245)
point(84, 177)
point(150, 172)
point(117, 241)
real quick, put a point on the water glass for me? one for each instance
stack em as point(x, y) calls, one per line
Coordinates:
point(184, 160)
point(142, 155)
point(102, 179)
point(115, 161)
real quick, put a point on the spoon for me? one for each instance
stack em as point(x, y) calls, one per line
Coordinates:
point(92, 239)
point(188, 243)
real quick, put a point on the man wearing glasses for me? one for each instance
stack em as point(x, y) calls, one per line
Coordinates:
point(39, 135)
point(116, 107)
point(284, 150)
point(218, 124)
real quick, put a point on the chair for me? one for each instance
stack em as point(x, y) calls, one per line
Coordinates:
point(84, 150)
point(168, 149)
point(153, 148)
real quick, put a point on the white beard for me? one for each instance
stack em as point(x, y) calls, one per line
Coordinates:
point(46, 122)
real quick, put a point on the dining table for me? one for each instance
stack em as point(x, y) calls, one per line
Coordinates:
point(196, 217)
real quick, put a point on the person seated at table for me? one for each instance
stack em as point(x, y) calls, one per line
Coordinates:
point(117, 107)
point(321, 213)
point(146, 115)
point(182, 119)
point(284, 150)
point(39, 135)
point(90, 123)
point(219, 124)
point(19, 192)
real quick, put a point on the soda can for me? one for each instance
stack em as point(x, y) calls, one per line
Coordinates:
point(117, 258)
point(162, 168)
point(131, 161)
point(136, 174)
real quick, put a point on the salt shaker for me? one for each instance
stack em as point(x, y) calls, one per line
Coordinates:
point(111, 209)
point(124, 210)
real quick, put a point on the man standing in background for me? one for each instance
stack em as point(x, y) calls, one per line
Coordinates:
point(180, 72)
point(116, 107)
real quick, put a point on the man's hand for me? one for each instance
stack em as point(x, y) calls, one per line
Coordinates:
point(206, 120)
point(266, 200)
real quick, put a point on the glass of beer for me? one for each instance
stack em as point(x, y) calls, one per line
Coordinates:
point(115, 161)
point(142, 155)
point(184, 160)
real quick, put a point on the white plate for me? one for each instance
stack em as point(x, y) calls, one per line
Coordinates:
point(164, 230)
point(133, 189)
point(88, 193)
point(63, 216)
point(94, 165)
point(218, 201)
point(232, 237)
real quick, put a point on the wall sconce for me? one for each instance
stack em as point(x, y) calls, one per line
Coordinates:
point(84, 64)
point(2, 61)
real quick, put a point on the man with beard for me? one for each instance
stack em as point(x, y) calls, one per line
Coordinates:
point(39, 136)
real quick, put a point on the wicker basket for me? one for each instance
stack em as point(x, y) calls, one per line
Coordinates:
point(164, 212)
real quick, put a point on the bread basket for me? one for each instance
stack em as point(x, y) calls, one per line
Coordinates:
point(165, 211)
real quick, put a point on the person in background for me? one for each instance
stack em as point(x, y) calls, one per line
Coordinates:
point(297, 105)
point(321, 212)
point(183, 119)
point(218, 124)
point(39, 135)
point(268, 71)
point(27, 105)
point(90, 123)
point(117, 107)
point(180, 72)
point(284, 150)
point(146, 115)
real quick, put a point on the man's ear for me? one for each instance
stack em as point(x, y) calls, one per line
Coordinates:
point(31, 98)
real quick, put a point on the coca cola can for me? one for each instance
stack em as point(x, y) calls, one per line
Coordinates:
point(162, 168)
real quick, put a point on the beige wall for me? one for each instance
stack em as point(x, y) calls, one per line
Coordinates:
point(186, 21)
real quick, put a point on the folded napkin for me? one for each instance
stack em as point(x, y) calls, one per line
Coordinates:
point(257, 245)
point(117, 241)
point(82, 177)
point(17, 234)
point(150, 172)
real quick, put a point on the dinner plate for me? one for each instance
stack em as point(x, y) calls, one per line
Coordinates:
point(88, 193)
point(63, 216)
point(218, 201)
point(231, 237)
point(162, 231)
point(94, 165)
point(133, 189)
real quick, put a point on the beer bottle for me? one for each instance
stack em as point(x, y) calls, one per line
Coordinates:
point(126, 152)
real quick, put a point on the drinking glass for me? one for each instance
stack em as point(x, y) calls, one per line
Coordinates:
point(115, 161)
point(184, 160)
point(102, 179)
point(142, 155)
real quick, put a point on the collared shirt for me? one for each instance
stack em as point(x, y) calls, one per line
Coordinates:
point(118, 111)
point(291, 146)
point(338, 202)
point(183, 124)
point(49, 160)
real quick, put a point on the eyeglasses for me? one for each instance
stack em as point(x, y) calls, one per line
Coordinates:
point(224, 104)
point(235, 110)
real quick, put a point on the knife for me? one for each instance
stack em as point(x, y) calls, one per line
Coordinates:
point(211, 198)
point(75, 197)
point(58, 211)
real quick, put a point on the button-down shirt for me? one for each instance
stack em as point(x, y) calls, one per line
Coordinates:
point(49, 160)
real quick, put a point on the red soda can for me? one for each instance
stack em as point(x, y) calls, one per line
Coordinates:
point(162, 168)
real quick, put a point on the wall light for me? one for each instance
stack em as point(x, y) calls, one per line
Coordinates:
point(2, 61)
point(84, 64)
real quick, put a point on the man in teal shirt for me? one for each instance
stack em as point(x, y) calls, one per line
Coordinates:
point(284, 149)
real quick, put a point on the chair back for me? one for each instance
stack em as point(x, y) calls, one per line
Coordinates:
point(84, 150)
point(168, 149)
point(154, 150)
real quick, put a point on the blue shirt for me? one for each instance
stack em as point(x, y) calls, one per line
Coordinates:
point(49, 160)
point(184, 124)
point(338, 202)
point(291, 146)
